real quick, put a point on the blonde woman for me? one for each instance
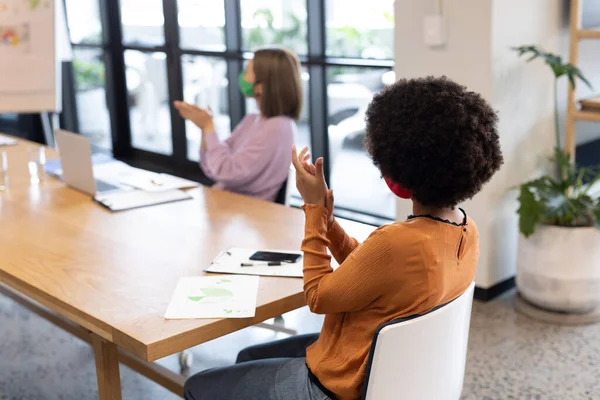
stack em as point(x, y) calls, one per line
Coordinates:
point(255, 159)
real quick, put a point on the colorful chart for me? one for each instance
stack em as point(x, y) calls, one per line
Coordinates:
point(13, 36)
point(214, 297)
point(217, 293)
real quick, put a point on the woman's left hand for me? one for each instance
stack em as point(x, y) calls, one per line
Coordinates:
point(312, 186)
point(199, 116)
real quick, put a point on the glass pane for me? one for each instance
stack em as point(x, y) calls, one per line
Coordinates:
point(365, 30)
point(143, 22)
point(202, 24)
point(205, 84)
point(83, 17)
point(349, 92)
point(148, 97)
point(274, 22)
point(90, 95)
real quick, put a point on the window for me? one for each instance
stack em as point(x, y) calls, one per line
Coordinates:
point(89, 72)
point(90, 96)
point(349, 92)
point(158, 51)
point(143, 22)
point(205, 84)
point(274, 22)
point(365, 30)
point(202, 24)
point(84, 21)
point(149, 111)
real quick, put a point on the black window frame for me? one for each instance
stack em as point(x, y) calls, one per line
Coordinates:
point(315, 61)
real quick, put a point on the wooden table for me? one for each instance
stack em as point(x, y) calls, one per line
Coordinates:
point(108, 277)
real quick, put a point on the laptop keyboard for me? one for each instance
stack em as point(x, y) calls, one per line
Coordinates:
point(104, 187)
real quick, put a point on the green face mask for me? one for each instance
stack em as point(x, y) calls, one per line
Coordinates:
point(246, 87)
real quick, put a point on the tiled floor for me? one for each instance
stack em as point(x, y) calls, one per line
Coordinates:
point(510, 357)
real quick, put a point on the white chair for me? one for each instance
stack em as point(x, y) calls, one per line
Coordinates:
point(421, 357)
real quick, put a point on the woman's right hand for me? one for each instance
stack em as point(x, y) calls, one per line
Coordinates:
point(312, 169)
point(199, 116)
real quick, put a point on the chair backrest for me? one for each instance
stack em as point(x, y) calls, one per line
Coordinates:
point(282, 194)
point(421, 357)
point(285, 193)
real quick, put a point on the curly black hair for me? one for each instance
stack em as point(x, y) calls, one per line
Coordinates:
point(435, 138)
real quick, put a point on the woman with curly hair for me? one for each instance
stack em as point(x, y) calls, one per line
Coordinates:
point(436, 144)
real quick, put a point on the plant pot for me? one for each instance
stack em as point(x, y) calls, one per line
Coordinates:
point(558, 268)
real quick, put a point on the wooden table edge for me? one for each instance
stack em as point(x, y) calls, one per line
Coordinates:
point(60, 307)
point(202, 334)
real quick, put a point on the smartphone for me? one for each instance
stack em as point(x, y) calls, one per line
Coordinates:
point(270, 256)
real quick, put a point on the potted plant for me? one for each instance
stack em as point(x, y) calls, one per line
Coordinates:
point(558, 267)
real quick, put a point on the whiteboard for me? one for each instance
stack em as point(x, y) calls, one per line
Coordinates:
point(30, 78)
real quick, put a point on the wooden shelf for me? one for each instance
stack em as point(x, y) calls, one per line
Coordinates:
point(588, 34)
point(591, 104)
point(589, 107)
point(593, 116)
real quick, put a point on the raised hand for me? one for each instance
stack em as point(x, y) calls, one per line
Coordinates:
point(310, 179)
point(199, 116)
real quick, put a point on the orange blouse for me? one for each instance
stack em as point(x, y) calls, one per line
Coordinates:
point(402, 269)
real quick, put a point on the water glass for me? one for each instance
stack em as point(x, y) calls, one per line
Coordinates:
point(36, 162)
point(3, 170)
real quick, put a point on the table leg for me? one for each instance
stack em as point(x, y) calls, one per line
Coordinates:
point(107, 368)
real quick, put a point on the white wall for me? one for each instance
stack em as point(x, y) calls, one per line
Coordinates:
point(478, 55)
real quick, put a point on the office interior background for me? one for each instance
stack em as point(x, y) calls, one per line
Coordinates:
point(132, 58)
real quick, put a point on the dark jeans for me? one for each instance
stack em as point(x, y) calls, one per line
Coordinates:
point(271, 371)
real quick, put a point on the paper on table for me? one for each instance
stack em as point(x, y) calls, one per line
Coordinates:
point(229, 262)
point(214, 297)
point(4, 141)
point(152, 182)
point(126, 200)
point(112, 172)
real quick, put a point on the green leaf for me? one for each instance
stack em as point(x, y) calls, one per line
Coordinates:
point(572, 81)
point(531, 211)
point(579, 74)
point(555, 62)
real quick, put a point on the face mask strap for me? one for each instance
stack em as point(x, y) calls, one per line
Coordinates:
point(397, 189)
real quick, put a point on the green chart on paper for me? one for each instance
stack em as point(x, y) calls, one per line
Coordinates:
point(214, 297)
point(214, 292)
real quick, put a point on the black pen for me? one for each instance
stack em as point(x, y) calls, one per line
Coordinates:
point(261, 264)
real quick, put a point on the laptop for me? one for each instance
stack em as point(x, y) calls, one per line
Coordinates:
point(76, 163)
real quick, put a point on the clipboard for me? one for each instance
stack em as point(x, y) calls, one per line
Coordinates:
point(230, 262)
point(127, 200)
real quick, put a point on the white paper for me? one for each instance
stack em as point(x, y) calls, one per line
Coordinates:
point(230, 262)
point(27, 60)
point(152, 182)
point(4, 141)
point(125, 200)
point(214, 297)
